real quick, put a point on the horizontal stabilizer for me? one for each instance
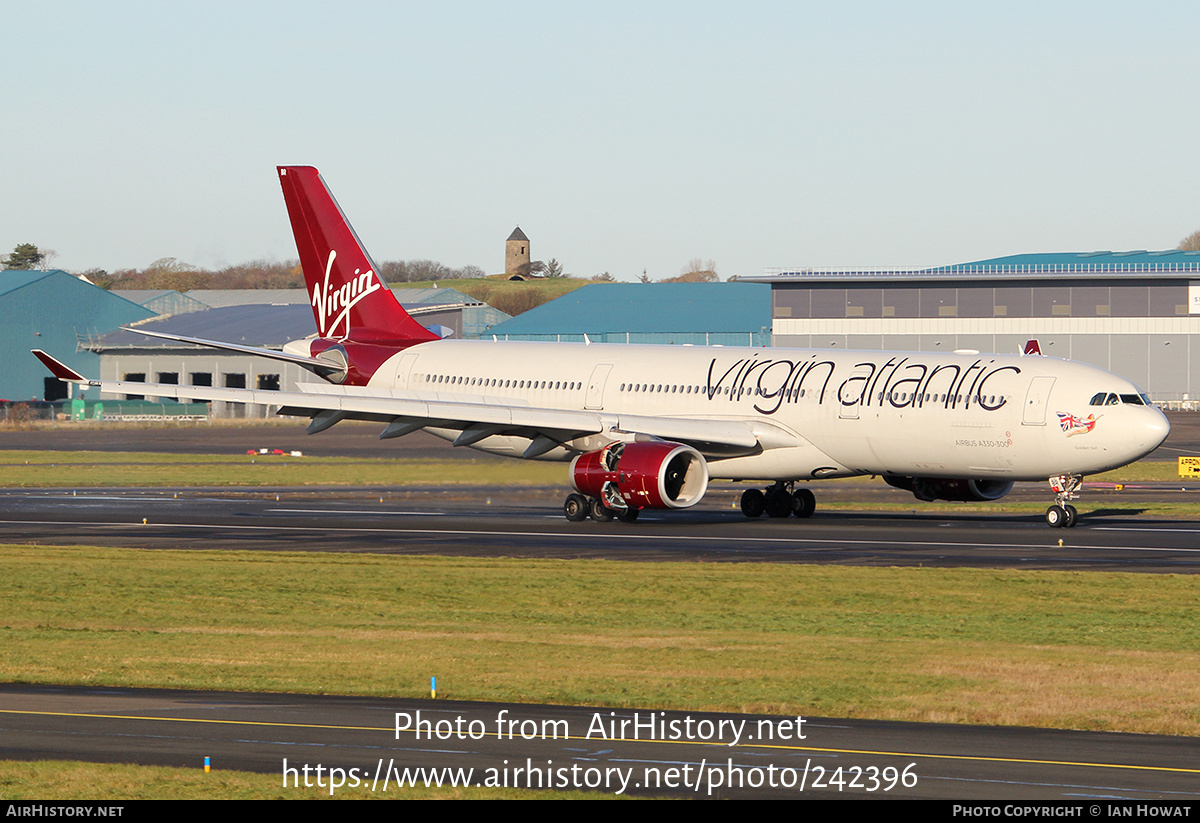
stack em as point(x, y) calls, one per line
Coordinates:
point(322, 368)
point(60, 370)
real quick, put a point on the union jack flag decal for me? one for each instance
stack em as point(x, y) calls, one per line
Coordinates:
point(1072, 424)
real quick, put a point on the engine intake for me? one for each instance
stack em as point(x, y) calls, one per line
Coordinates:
point(936, 488)
point(655, 475)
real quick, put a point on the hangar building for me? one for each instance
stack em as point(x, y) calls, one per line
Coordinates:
point(1134, 313)
point(53, 310)
point(699, 314)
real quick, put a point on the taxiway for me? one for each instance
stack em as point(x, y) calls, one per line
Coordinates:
point(683, 754)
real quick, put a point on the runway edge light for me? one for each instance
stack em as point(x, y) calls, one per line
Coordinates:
point(433, 687)
point(207, 764)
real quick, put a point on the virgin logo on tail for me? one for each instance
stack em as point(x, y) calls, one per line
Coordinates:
point(320, 227)
point(327, 300)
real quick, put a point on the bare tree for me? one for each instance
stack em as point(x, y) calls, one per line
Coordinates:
point(697, 271)
point(1191, 242)
point(411, 271)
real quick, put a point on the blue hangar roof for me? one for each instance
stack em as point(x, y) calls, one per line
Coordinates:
point(641, 308)
point(1103, 260)
point(1088, 265)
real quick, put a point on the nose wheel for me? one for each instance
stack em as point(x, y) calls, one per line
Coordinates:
point(1062, 515)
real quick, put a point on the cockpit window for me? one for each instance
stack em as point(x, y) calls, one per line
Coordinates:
point(1111, 399)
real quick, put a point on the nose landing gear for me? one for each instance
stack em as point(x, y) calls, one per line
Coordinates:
point(1062, 515)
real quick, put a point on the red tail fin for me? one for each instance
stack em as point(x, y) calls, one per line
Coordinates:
point(349, 299)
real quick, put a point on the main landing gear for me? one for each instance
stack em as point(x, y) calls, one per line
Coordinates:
point(779, 500)
point(577, 508)
point(1062, 515)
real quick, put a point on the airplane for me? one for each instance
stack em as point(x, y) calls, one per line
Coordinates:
point(647, 427)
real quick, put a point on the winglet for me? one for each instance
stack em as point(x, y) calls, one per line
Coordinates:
point(60, 370)
point(1032, 347)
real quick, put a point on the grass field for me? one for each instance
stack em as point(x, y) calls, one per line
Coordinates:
point(1065, 650)
point(88, 469)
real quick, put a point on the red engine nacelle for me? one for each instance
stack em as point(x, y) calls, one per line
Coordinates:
point(934, 488)
point(653, 475)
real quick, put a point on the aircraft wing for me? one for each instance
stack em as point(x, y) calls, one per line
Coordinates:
point(477, 417)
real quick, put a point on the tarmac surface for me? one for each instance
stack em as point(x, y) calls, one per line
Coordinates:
point(682, 754)
point(528, 521)
point(491, 523)
point(257, 732)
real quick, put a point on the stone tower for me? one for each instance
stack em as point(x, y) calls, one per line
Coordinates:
point(516, 253)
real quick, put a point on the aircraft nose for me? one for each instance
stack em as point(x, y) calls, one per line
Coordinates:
point(1153, 429)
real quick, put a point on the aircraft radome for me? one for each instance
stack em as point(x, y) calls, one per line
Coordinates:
point(646, 427)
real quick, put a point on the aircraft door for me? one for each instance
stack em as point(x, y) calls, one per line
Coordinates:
point(595, 387)
point(854, 391)
point(1036, 400)
point(404, 369)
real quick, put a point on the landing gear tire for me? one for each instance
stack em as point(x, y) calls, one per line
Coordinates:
point(600, 512)
point(1062, 515)
point(753, 503)
point(804, 503)
point(627, 515)
point(576, 507)
point(779, 504)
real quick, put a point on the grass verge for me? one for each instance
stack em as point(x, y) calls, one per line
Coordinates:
point(87, 469)
point(40, 780)
point(1053, 649)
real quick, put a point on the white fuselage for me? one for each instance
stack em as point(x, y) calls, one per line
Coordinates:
point(815, 413)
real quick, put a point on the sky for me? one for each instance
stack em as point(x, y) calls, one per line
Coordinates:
point(621, 137)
